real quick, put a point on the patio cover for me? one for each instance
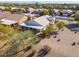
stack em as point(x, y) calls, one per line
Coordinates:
point(7, 22)
point(31, 26)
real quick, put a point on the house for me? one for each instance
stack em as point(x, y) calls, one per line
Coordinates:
point(7, 22)
point(53, 12)
point(2, 7)
point(39, 23)
point(9, 18)
point(3, 15)
point(14, 8)
point(39, 9)
point(17, 9)
point(66, 12)
point(28, 10)
point(61, 17)
point(30, 16)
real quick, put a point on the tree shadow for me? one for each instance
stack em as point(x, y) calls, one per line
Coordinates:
point(31, 54)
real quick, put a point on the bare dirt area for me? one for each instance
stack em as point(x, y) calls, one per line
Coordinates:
point(62, 45)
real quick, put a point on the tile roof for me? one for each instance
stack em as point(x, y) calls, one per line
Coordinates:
point(4, 14)
point(15, 17)
point(10, 16)
point(42, 20)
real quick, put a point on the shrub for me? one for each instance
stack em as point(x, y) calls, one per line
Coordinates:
point(60, 25)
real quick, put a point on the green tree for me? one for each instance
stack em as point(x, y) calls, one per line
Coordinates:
point(19, 11)
point(44, 33)
point(7, 9)
point(60, 25)
point(77, 16)
point(50, 27)
point(44, 12)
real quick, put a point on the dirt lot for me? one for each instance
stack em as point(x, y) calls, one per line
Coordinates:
point(62, 48)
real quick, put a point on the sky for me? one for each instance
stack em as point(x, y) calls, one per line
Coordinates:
point(41, 1)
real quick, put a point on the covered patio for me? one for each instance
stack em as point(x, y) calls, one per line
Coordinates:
point(30, 26)
point(6, 22)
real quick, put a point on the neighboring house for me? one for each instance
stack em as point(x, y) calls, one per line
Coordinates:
point(66, 12)
point(14, 8)
point(17, 8)
point(2, 7)
point(36, 12)
point(39, 9)
point(53, 12)
point(9, 18)
point(60, 18)
point(28, 10)
point(39, 23)
point(30, 16)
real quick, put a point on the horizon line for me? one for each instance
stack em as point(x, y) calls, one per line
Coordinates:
point(43, 2)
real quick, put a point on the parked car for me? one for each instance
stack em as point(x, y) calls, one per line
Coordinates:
point(43, 51)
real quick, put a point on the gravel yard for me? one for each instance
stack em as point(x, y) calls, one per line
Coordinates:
point(61, 46)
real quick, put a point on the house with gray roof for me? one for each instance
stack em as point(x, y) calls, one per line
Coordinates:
point(39, 23)
point(66, 12)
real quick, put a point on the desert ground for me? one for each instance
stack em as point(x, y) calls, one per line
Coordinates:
point(62, 48)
